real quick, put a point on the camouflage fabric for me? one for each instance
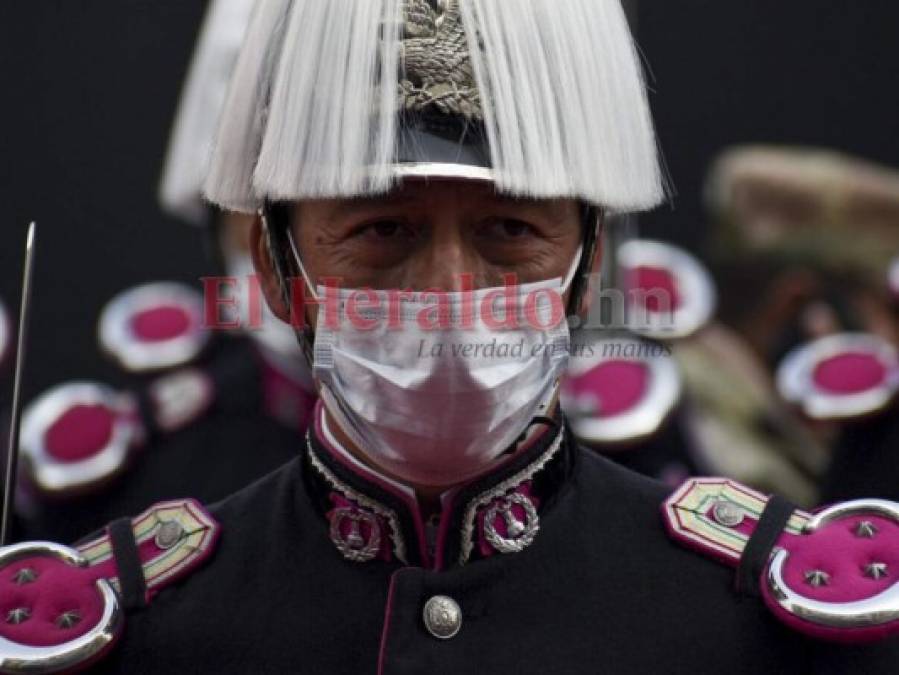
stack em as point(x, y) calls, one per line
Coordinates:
point(806, 205)
point(738, 426)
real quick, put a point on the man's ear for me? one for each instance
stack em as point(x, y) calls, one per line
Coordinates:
point(265, 270)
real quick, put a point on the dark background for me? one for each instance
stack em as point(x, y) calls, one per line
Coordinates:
point(88, 89)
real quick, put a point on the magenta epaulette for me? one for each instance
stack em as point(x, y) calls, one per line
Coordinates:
point(841, 377)
point(78, 436)
point(619, 391)
point(670, 293)
point(5, 334)
point(831, 574)
point(154, 327)
point(63, 608)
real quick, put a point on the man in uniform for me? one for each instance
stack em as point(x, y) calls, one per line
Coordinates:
point(441, 520)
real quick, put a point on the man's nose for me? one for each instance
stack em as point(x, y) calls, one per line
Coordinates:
point(446, 260)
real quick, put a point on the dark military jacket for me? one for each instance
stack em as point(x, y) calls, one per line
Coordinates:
point(598, 588)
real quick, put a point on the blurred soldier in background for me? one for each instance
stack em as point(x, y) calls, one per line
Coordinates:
point(219, 394)
point(818, 233)
point(677, 393)
point(622, 392)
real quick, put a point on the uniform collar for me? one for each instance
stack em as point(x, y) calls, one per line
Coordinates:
point(373, 518)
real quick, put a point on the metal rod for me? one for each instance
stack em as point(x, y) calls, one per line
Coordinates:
point(12, 449)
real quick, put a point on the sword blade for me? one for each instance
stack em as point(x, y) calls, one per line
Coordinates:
point(12, 449)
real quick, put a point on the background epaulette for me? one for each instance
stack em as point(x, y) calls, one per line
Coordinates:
point(841, 377)
point(78, 436)
point(154, 327)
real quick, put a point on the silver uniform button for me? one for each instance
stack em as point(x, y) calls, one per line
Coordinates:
point(168, 534)
point(442, 617)
point(727, 513)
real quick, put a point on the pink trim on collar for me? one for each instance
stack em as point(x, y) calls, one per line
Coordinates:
point(447, 503)
point(388, 612)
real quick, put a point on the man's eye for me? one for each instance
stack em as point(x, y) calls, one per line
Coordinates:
point(509, 229)
point(385, 229)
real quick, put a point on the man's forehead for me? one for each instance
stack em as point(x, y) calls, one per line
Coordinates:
point(421, 193)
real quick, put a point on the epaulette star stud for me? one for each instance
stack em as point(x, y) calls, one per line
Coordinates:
point(817, 578)
point(68, 619)
point(26, 575)
point(18, 615)
point(865, 529)
point(876, 570)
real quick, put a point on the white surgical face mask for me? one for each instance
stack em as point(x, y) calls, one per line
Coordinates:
point(438, 406)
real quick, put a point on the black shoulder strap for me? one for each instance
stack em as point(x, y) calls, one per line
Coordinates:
point(132, 585)
point(755, 556)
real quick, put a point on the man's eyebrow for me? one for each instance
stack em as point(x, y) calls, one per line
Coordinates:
point(555, 210)
point(353, 204)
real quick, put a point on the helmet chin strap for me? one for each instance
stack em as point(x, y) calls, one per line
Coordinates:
point(298, 262)
point(592, 220)
point(276, 225)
